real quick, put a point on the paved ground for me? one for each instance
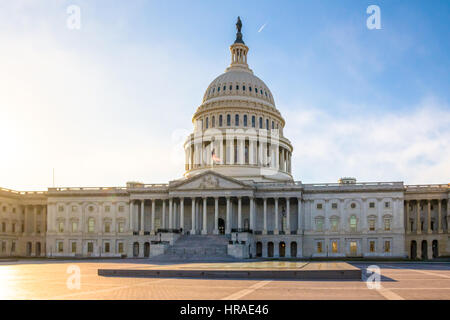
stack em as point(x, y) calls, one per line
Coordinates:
point(48, 280)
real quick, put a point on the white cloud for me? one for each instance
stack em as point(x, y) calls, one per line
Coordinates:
point(413, 147)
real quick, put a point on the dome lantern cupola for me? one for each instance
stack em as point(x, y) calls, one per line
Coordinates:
point(239, 51)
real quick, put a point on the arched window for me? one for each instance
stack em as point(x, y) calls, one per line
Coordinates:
point(91, 225)
point(231, 87)
point(213, 122)
point(353, 223)
point(253, 121)
point(224, 88)
point(236, 120)
point(228, 120)
point(250, 89)
point(267, 124)
point(245, 120)
point(218, 89)
point(260, 123)
point(237, 87)
point(243, 88)
point(273, 125)
point(207, 122)
point(220, 120)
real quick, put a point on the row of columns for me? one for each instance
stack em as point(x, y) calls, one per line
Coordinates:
point(195, 205)
point(427, 203)
point(32, 213)
point(199, 154)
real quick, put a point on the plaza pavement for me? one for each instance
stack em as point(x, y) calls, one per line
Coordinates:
point(47, 279)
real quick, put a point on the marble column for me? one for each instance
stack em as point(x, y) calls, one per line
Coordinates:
point(408, 218)
point(418, 222)
point(216, 215)
point(252, 213)
point(170, 213)
point(35, 219)
point(299, 216)
point(141, 232)
point(429, 216)
point(288, 216)
point(239, 213)
point(439, 216)
point(153, 216)
point(182, 215)
point(193, 216)
point(130, 218)
point(265, 216)
point(228, 223)
point(205, 225)
point(276, 230)
point(164, 214)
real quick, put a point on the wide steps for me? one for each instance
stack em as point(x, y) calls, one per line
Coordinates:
point(197, 247)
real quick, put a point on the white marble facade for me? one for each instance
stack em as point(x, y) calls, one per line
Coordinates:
point(237, 183)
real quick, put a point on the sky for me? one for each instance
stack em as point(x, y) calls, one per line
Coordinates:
point(112, 101)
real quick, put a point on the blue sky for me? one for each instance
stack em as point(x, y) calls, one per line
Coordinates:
point(109, 103)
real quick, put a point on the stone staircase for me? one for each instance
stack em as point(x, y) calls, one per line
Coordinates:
point(197, 248)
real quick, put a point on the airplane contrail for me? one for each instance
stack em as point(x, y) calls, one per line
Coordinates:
point(260, 29)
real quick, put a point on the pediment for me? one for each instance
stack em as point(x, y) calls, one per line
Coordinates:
point(210, 181)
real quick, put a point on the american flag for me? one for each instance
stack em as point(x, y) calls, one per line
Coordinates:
point(214, 157)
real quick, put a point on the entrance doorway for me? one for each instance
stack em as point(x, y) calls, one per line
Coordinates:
point(136, 249)
point(146, 250)
point(293, 249)
point(29, 248)
point(270, 249)
point(435, 246)
point(221, 224)
point(38, 249)
point(259, 249)
point(282, 249)
point(413, 253)
point(424, 250)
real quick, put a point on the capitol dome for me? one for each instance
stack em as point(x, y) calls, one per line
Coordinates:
point(238, 83)
point(238, 131)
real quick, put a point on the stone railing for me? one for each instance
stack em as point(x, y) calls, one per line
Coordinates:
point(23, 192)
point(428, 187)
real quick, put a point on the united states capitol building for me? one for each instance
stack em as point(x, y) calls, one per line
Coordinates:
point(237, 198)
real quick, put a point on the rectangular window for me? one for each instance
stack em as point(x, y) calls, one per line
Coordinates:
point(61, 227)
point(121, 208)
point(319, 206)
point(319, 247)
point(334, 224)
point(334, 206)
point(353, 248)
point(74, 226)
point(13, 247)
point(371, 204)
point(90, 247)
point(387, 224)
point(74, 247)
point(107, 228)
point(387, 204)
point(107, 209)
point(107, 247)
point(60, 246)
point(3, 246)
point(74, 208)
point(121, 227)
point(372, 225)
point(120, 247)
point(372, 246)
point(319, 224)
point(60, 208)
point(3, 227)
point(387, 246)
point(334, 246)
